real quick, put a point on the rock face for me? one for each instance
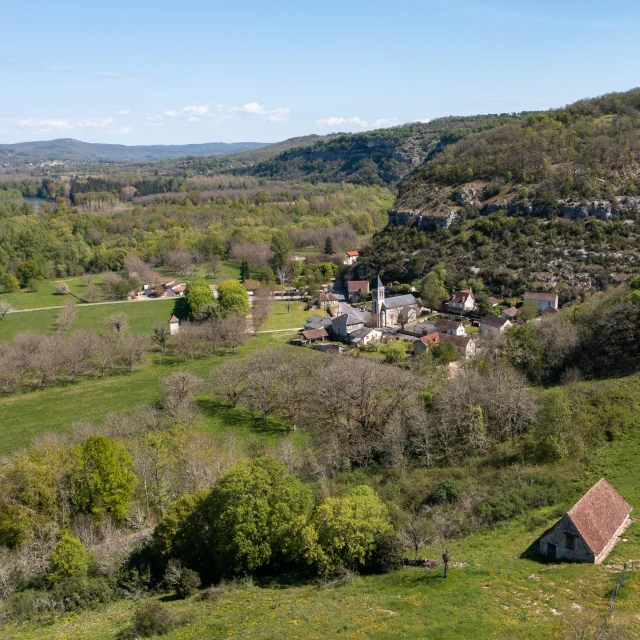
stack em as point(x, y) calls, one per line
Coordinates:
point(468, 197)
point(423, 220)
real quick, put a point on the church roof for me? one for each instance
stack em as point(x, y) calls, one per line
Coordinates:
point(396, 302)
point(379, 284)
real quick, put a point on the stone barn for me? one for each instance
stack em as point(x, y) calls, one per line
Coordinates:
point(590, 529)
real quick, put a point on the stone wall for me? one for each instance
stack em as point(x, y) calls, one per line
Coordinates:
point(557, 536)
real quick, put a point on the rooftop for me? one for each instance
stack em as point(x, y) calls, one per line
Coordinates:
point(531, 295)
point(399, 301)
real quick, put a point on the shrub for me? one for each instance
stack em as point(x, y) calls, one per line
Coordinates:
point(386, 555)
point(10, 283)
point(188, 583)
point(68, 559)
point(150, 619)
point(447, 491)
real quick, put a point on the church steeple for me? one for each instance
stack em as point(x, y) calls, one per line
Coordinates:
point(377, 298)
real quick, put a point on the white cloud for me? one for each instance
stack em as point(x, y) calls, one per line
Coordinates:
point(123, 130)
point(194, 119)
point(254, 108)
point(424, 120)
point(335, 121)
point(45, 125)
point(170, 114)
point(198, 110)
point(97, 123)
point(123, 112)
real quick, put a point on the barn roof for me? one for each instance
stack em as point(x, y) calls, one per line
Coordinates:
point(356, 285)
point(599, 514)
point(531, 295)
point(315, 334)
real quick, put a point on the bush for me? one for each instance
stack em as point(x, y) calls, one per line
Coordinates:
point(188, 584)
point(150, 619)
point(447, 491)
point(68, 559)
point(387, 554)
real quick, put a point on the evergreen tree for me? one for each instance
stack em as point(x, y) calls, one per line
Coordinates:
point(328, 246)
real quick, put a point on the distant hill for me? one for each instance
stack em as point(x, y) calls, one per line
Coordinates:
point(70, 150)
point(381, 156)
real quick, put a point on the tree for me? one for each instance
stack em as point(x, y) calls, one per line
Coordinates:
point(281, 248)
point(102, 477)
point(415, 532)
point(344, 530)
point(66, 317)
point(198, 296)
point(255, 516)
point(404, 317)
point(69, 559)
point(395, 352)
point(179, 391)
point(132, 350)
point(92, 293)
point(230, 381)
point(181, 261)
point(528, 311)
point(233, 330)
point(10, 283)
point(62, 289)
point(445, 352)
point(160, 334)
point(328, 246)
point(233, 298)
point(29, 270)
point(245, 272)
point(118, 323)
point(5, 307)
point(262, 307)
point(215, 265)
point(433, 292)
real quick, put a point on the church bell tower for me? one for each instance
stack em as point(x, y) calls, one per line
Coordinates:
point(377, 298)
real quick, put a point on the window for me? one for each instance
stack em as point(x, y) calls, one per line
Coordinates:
point(569, 541)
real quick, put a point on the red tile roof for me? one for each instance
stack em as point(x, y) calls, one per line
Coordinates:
point(431, 338)
point(173, 320)
point(599, 514)
point(353, 254)
point(179, 288)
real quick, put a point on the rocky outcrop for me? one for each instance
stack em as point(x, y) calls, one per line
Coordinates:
point(468, 197)
point(423, 220)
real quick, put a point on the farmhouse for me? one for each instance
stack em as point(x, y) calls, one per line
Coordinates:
point(345, 324)
point(366, 335)
point(357, 288)
point(465, 347)
point(462, 300)
point(493, 324)
point(387, 311)
point(543, 300)
point(590, 529)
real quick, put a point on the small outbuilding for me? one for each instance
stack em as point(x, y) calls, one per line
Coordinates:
point(174, 326)
point(590, 529)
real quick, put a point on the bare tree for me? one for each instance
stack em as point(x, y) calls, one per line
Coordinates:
point(105, 354)
point(160, 334)
point(214, 266)
point(233, 329)
point(118, 323)
point(415, 532)
point(186, 343)
point(230, 381)
point(66, 317)
point(132, 350)
point(5, 307)
point(262, 307)
point(181, 261)
point(404, 316)
point(44, 362)
point(92, 293)
point(179, 391)
point(110, 280)
point(78, 353)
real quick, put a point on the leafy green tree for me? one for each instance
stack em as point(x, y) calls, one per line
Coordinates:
point(10, 283)
point(233, 298)
point(254, 517)
point(281, 247)
point(528, 311)
point(344, 530)
point(198, 296)
point(211, 245)
point(69, 559)
point(29, 270)
point(395, 352)
point(445, 352)
point(103, 480)
point(433, 292)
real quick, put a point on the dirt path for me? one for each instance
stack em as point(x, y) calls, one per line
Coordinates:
point(89, 304)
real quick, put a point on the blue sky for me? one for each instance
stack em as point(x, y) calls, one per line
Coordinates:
point(141, 72)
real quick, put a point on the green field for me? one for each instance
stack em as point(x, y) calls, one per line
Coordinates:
point(53, 409)
point(295, 318)
point(141, 314)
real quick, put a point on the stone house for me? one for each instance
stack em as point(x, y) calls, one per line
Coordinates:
point(366, 335)
point(510, 313)
point(462, 300)
point(313, 335)
point(590, 529)
point(345, 324)
point(356, 289)
point(452, 327)
point(492, 324)
point(327, 300)
point(465, 346)
point(543, 300)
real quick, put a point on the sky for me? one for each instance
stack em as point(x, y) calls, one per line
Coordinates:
point(141, 72)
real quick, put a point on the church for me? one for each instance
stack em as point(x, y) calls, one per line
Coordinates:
point(386, 311)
